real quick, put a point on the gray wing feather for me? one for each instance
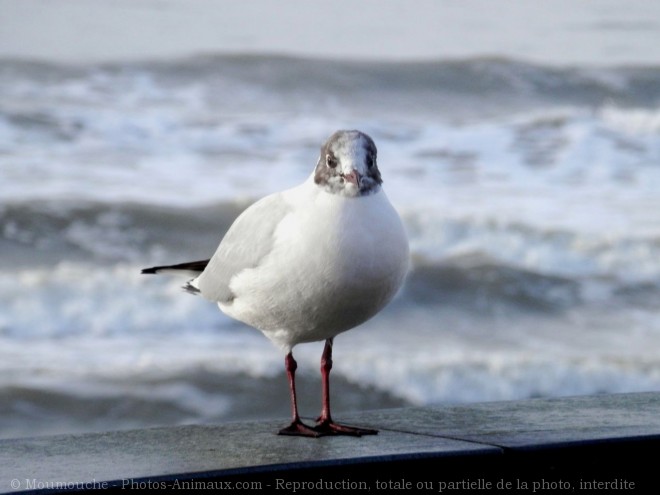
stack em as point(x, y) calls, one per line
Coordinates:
point(246, 243)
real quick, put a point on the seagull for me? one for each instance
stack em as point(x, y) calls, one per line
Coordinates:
point(308, 263)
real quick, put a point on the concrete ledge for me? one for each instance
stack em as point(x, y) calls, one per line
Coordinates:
point(586, 442)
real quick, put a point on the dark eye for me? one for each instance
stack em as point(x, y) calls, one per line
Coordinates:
point(330, 161)
point(370, 161)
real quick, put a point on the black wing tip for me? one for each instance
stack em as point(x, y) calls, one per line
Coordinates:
point(194, 266)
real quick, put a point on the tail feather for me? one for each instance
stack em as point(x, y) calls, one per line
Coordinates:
point(191, 289)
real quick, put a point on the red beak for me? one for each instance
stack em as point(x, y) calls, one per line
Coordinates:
point(353, 177)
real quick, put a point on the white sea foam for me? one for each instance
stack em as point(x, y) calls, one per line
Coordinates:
point(533, 226)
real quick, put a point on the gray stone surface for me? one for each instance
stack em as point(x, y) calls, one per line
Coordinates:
point(193, 449)
point(471, 431)
point(535, 423)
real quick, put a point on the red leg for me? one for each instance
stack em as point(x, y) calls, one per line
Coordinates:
point(324, 424)
point(297, 427)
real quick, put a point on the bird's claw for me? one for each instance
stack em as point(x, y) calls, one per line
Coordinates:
point(323, 429)
point(299, 429)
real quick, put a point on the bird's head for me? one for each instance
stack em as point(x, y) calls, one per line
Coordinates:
point(347, 165)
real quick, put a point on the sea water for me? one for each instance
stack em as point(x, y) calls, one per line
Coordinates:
point(528, 188)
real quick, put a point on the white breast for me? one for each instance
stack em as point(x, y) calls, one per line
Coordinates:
point(335, 263)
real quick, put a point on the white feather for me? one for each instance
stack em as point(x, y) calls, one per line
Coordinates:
point(335, 262)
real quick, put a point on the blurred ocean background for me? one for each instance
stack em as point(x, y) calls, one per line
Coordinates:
point(520, 142)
